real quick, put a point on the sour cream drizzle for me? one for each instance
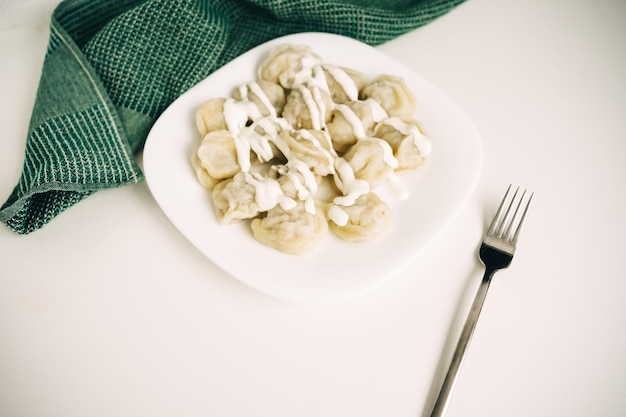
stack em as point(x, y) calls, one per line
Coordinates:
point(328, 151)
point(268, 192)
point(387, 151)
point(260, 142)
point(378, 113)
point(422, 143)
point(338, 215)
point(314, 103)
point(254, 88)
point(305, 189)
point(343, 79)
point(355, 122)
point(351, 187)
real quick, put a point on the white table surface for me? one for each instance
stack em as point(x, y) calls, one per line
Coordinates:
point(109, 311)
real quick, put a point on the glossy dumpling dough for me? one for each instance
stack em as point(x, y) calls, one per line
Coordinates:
point(218, 154)
point(371, 160)
point(410, 145)
point(286, 63)
point(269, 97)
point(234, 200)
point(369, 218)
point(392, 93)
point(210, 116)
point(294, 231)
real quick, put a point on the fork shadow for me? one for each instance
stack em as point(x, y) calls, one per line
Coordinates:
point(454, 332)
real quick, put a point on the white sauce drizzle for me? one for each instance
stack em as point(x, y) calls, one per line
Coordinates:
point(388, 157)
point(378, 113)
point(346, 83)
point(338, 215)
point(307, 62)
point(309, 178)
point(330, 155)
point(352, 191)
point(422, 143)
point(268, 193)
point(255, 88)
point(312, 105)
point(235, 115)
point(260, 143)
point(243, 153)
point(318, 78)
point(355, 122)
point(351, 187)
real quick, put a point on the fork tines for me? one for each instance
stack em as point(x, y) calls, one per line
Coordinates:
point(502, 226)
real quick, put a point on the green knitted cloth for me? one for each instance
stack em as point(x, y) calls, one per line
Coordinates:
point(112, 67)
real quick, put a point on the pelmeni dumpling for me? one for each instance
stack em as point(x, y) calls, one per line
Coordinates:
point(311, 147)
point(295, 231)
point(203, 176)
point(288, 64)
point(369, 217)
point(291, 182)
point(296, 185)
point(371, 159)
point(352, 121)
point(409, 143)
point(308, 108)
point(210, 116)
point(392, 94)
point(344, 84)
point(269, 97)
point(234, 200)
point(218, 154)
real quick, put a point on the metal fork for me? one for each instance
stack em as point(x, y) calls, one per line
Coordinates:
point(496, 252)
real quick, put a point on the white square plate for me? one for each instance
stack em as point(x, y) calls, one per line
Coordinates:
point(336, 269)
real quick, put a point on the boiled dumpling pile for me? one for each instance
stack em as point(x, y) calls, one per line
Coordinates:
point(301, 150)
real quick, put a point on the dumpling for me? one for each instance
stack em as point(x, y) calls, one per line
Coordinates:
point(352, 121)
point(310, 147)
point(344, 84)
point(218, 154)
point(371, 160)
point(288, 65)
point(308, 108)
point(291, 182)
point(235, 200)
point(368, 218)
point(392, 93)
point(210, 116)
point(203, 176)
point(297, 185)
point(410, 145)
point(295, 231)
point(269, 97)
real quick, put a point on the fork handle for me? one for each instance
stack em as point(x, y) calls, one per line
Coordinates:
point(459, 354)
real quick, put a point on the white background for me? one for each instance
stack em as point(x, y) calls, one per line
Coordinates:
point(108, 310)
